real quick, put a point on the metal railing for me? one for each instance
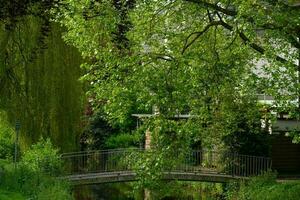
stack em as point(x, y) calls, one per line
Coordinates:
point(196, 161)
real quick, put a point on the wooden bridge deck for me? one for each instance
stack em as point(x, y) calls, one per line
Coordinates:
point(128, 176)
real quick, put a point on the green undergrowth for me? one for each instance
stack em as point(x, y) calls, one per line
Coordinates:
point(35, 176)
point(5, 165)
point(264, 188)
point(6, 195)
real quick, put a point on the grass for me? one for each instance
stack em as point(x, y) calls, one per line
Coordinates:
point(287, 191)
point(5, 165)
point(265, 188)
point(6, 195)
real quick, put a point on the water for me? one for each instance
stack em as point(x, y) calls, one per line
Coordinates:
point(104, 192)
point(126, 191)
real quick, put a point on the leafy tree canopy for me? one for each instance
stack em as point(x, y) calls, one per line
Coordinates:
point(185, 56)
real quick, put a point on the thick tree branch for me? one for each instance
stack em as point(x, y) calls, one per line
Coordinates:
point(215, 7)
point(254, 46)
point(246, 40)
point(209, 16)
point(187, 44)
point(162, 57)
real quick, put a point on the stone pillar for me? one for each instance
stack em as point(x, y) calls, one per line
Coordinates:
point(148, 139)
point(147, 193)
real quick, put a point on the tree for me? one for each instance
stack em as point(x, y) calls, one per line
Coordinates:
point(39, 75)
point(176, 57)
point(270, 28)
point(186, 56)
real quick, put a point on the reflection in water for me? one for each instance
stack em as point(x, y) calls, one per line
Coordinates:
point(126, 191)
point(122, 191)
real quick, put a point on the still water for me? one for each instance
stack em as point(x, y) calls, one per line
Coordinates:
point(126, 191)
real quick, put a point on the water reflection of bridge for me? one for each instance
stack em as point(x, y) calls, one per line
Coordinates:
point(107, 166)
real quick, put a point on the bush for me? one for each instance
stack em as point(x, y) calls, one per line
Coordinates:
point(36, 174)
point(124, 140)
point(43, 157)
point(35, 185)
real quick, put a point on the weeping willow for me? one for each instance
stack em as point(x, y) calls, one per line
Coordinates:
point(39, 83)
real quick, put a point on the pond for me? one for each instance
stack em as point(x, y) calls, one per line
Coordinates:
point(174, 190)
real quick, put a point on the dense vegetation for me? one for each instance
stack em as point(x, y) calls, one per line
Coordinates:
point(39, 84)
point(264, 188)
point(35, 176)
point(196, 57)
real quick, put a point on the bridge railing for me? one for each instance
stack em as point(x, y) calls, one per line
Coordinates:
point(97, 161)
point(223, 163)
point(119, 160)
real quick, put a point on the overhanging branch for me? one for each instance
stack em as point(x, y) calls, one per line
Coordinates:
point(215, 7)
point(254, 46)
point(187, 44)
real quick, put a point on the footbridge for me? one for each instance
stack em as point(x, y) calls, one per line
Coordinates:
point(124, 165)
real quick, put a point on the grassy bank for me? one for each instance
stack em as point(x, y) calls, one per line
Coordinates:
point(35, 175)
point(7, 195)
point(264, 188)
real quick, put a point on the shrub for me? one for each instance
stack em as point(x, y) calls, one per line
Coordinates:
point(43, 157)
point(35, 175)
point(124, 140)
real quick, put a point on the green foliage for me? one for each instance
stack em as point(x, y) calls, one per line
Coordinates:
point(39, 82)
point(6, 138)
point(246, 136)
point(264, 187)
point(123, 140)
point(183, 57)
point(35, 184)
point(100, 134)
point(59, 190)
point(169, 135)
point(32, 177)
point(180, 58)
point(42, 157)
point(5, 195)
point(149, 167)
